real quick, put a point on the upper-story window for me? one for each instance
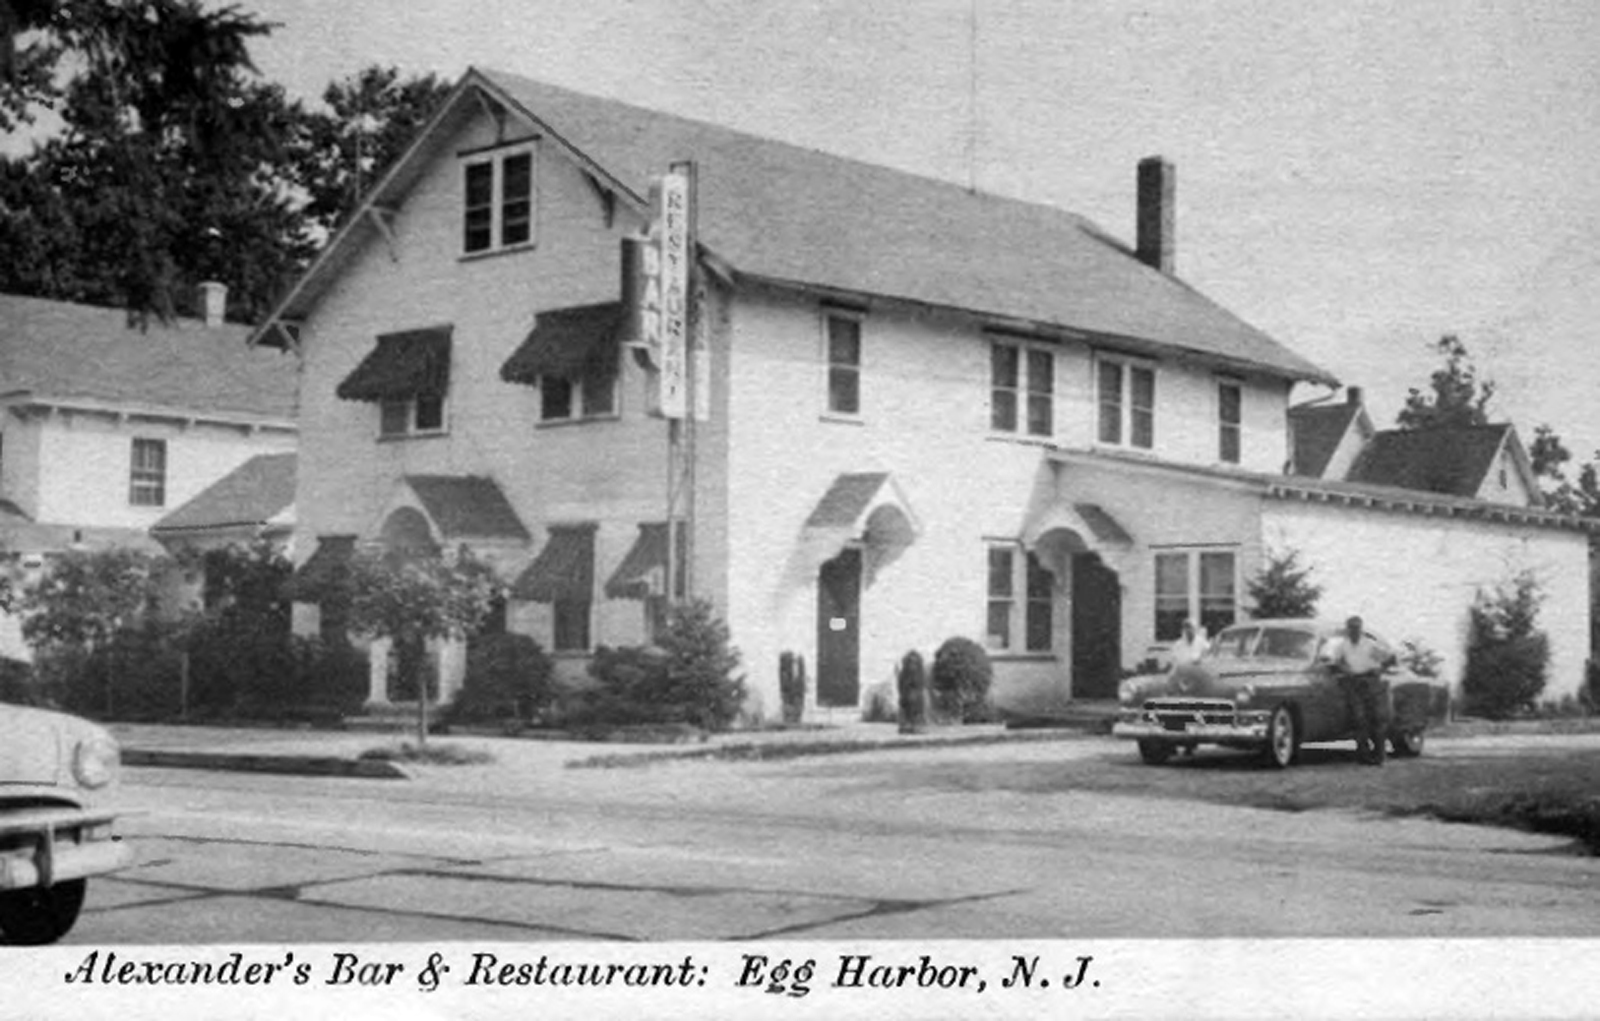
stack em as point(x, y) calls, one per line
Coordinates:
point(842, 349)
point(1127, 396)
point(562, 399)
point(147, 479)
point(498, 208)
point(409, 416)
point(1230, 420)
point(1021, 389)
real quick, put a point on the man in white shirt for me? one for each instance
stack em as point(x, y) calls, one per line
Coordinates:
point(1359, 663)
point(1190, 646)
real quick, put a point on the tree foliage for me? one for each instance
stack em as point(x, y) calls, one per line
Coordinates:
point(1456, 397)
point(1283, 587)
point(415, 596)
point(1508, 656)
point(367, 121)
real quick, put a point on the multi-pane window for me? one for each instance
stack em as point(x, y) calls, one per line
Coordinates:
point(844, 364)
point(497, 210)
point(147, 482)
point(562, 399)
point(1194, 585)
point(1230, 418)
point(1021, 390)
point(406, 416)
point(1021, 607)
point(1127, 399)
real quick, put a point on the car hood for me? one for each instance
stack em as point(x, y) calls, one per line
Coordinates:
point(31, 745)
point(1218, 679)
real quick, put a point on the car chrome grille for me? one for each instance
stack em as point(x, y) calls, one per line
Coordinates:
point(1175, 714)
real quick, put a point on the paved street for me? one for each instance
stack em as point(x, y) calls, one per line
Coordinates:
point(872, 845)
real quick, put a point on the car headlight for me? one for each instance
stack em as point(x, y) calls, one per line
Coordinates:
point(95, 760)
point(1244, 695)
point(1128, 691)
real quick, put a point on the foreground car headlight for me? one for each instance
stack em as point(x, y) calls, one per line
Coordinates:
point(1244, 695)
point(95, 760)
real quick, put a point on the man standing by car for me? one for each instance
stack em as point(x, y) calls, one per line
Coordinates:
point(1359, 663)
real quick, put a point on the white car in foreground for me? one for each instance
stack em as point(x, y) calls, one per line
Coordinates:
point(56, 775)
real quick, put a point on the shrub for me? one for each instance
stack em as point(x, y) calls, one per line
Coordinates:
point(879, 705)
point(1283, 588)
point(688, 677)
point(792, 686)
point(508, 678)
point(1418, 658)
point(1508, 657)
point(911, 681)
point(961, 678)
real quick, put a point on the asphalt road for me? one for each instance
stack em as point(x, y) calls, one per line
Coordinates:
point(876, 845)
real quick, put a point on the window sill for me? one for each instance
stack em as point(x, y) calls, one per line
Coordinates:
point(567, 423)
point(839, 418)
point(1021, 439)
point(434, 434)
point(490, 253)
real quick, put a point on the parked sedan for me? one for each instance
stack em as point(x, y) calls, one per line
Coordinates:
point(1264, 685)
point(56, 773)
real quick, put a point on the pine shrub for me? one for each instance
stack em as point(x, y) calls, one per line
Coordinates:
point(792, 686)
point(508, 678)
point(911, 681)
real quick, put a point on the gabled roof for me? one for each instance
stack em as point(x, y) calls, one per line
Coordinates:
point(64, 351)
point(782, 213)
point(1317, 430)
point(254, 493)
point(1454, 461)
point(467, 507)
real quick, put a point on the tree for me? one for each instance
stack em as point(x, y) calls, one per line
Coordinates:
point(166, 172)
point(1458, 397)
point(83, 599)
point(1283, 587)
point(413, 596)
point(369, 119)
point(1508, 656)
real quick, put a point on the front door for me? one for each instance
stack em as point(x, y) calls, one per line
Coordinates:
point(1096, 628)
point(839, 630)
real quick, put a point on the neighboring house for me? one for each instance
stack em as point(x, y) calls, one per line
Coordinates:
point(1326, 437)
point(105, 428)
point(933, 412)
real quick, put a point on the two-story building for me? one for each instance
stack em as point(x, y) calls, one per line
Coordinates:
point(932, 411)
point(106, 428)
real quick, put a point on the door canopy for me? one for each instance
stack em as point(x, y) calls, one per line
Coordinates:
point(859, 508)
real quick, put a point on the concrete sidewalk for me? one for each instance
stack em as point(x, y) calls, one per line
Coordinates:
point(309, 752)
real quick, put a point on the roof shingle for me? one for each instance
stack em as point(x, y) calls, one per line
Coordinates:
point(252, 494)
point(1453, 461)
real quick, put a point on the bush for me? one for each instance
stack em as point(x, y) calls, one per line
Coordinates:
point(688, 677)
point(792, 686)
point(1508, 657)
point(1283, 588)
point(912, 684)
point(1589, 692)
point(961, 678)
point(879, 705)
point(508, 678)
point(1418, 658)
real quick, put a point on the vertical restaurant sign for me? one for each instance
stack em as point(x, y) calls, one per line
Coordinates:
point(674, 241)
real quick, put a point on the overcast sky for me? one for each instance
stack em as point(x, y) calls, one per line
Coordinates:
point(1356, 178)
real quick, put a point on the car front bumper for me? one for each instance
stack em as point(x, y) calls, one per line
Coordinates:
point(1178, 727)
point(45, 846)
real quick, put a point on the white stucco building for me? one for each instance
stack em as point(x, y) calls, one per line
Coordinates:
point(933, 412)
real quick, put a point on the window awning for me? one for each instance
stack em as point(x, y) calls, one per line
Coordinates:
point(573, 343)
point(643, 571)
point(415, 363)
point(563, 570)
point(324, 575)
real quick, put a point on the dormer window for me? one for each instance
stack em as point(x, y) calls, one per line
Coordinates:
point(498, 201)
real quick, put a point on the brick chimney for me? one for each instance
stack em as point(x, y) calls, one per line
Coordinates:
point(213, 302)
point(1353, 396)
point(1158, 180)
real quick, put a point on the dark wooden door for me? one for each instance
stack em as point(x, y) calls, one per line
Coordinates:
point(1096, 628)
point(839, 630)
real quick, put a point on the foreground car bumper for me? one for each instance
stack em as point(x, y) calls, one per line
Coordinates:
point(45, 846)
point(1241, 728)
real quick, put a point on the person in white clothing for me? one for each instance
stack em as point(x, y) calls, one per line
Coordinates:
point(1191, 645)
point(1359, 663)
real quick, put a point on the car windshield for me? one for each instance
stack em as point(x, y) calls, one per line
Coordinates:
point(1286, 643)
point(1264, 643)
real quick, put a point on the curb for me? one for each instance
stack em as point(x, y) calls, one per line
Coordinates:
point(748, 751)
point(294, 765)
